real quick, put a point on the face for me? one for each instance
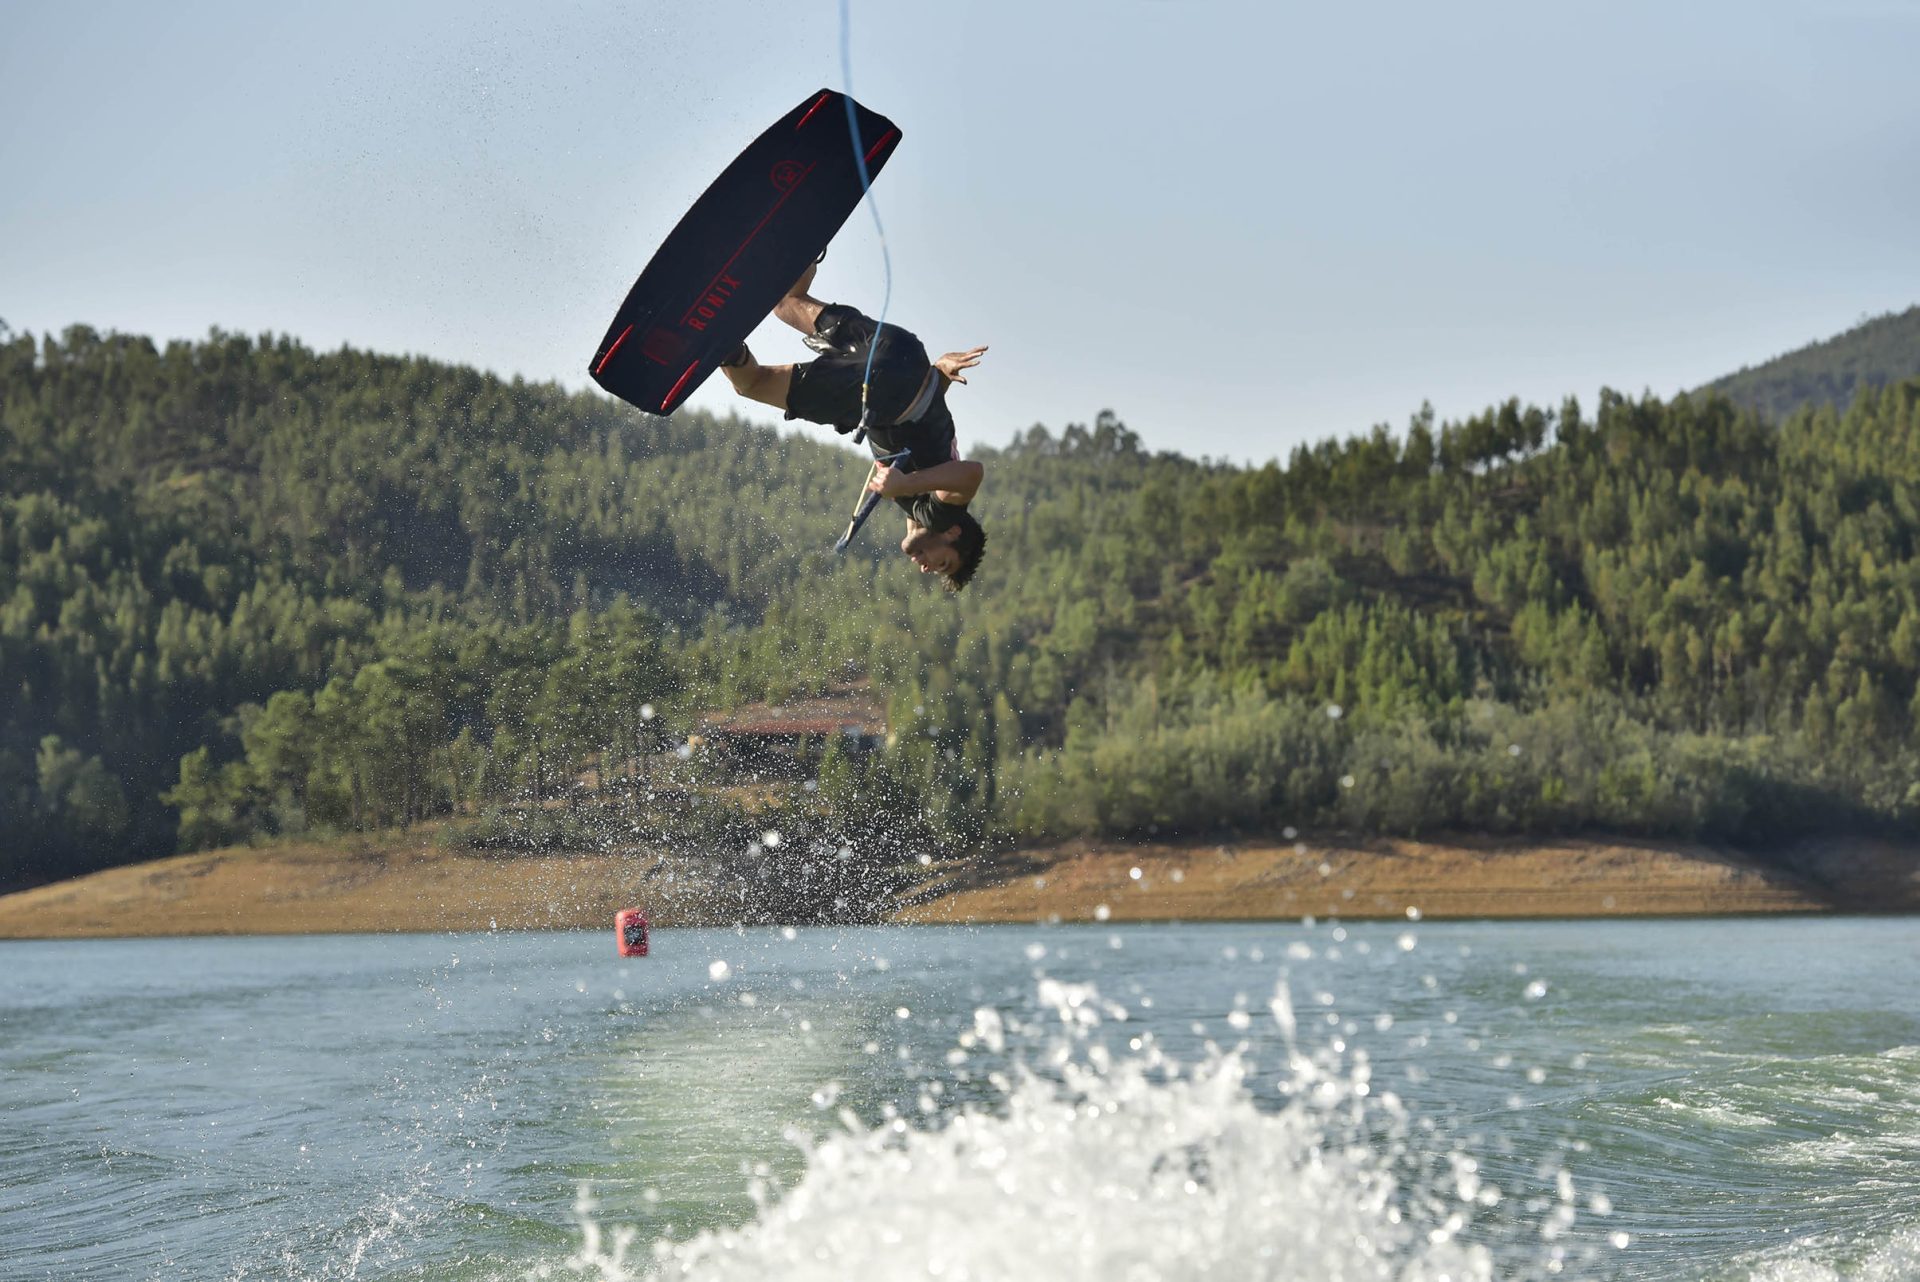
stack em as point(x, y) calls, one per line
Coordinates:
point(933, 553)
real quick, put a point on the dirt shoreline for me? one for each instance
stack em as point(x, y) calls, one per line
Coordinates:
point(411, 883)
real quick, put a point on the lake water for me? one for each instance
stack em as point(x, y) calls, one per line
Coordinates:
point(1693, 1099)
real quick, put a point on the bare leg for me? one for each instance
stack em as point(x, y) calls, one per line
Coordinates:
point(767, 384)
point(799, 308)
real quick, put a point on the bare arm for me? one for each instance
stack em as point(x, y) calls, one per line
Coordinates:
point(955, 482)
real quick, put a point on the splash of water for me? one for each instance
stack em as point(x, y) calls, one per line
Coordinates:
point(1895, 1259)
point(1092, 1163)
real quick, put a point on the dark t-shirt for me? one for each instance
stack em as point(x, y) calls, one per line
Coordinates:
point(826, 390)
point(929, 513)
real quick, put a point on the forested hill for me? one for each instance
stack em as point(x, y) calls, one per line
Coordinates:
point(1883, 350)
point(250, 589)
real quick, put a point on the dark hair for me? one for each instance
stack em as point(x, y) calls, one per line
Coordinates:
point(971, 544)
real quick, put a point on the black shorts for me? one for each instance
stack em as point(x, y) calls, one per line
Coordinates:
point(826, 389)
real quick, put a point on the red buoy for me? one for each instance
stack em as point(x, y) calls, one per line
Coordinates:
point(630, 932)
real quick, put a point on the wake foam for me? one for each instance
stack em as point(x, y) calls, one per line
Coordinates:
point(1894, 1259)
point(1094, 1164)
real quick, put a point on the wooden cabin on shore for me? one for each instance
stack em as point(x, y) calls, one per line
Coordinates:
point(773, 741)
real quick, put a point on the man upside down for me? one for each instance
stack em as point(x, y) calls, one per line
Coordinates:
point(906, 409)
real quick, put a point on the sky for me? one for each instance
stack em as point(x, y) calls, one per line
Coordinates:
point(1240, 226)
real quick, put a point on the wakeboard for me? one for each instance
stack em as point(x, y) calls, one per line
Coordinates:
point(744, 243)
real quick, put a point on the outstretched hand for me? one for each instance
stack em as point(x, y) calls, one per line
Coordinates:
point(952, 363)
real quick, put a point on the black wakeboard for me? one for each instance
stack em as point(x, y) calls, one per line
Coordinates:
point(739, 249)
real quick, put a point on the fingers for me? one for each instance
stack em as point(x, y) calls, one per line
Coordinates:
point(953, 362)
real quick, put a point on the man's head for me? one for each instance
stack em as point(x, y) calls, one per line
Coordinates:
point(953, 553)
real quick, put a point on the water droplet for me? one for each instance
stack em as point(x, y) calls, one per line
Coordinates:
point(719, 971)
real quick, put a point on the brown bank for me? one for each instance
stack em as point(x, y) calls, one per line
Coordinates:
point(412, 884)
point(403, 883)
point(1431, 879)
